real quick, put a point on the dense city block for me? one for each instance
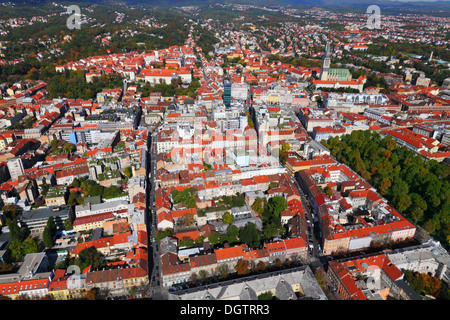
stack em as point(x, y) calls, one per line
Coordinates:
point(224, 151)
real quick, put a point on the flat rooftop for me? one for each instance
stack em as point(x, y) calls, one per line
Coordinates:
point(45, 213)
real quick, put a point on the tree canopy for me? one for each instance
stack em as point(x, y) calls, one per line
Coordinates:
point(188, 196)
point(250, 235)
point(417, 188)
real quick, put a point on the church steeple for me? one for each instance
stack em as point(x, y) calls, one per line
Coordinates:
point(327, 50)
point(325, 63)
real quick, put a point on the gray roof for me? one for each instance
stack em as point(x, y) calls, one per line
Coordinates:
point(255, 194)
point(93, 200)
point(109, 204)
point(168, 244)
point(241, 223)
point(100, 206)
point(249, 288)
point(45, 213)
point(408, 290)
point(236, 210)
point(31, 269)
point(247, 293)
point(427, 251)
point(284, 290)
point(136, 216)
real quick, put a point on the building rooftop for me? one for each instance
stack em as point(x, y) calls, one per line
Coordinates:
point(57, 191)
point(247, 287)
point(45, 213)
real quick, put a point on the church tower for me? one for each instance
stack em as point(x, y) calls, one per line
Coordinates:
point(325, 63)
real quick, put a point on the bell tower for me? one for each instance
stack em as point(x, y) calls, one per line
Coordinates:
point(325, 63)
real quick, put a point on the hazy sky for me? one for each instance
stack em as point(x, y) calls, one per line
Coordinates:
point(420, 0)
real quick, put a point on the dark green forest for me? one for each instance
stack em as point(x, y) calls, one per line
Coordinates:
point(27, 41)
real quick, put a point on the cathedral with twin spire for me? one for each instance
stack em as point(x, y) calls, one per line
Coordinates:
point(336, 77)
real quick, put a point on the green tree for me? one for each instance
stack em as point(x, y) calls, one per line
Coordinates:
point(266, 296)
point(16, 232)
point(389, 143)
point(417, 208)
point(186, 242)
point(44, 188)
point(384, 186)
point(223, 271)
point(161, 234)
point(419, 189)
point(188, 196)
point(285, 147)
point(206, 165)
point(258, 206)
point(250, 235)
point(270, 231)
point(111, 191)
point(277, 205)
point(227, 218)
point(328, 191)
point(74, 199)
point(30, 246)
point(10, 211)
point(319, 274)
point(273, 209)
point(68, 147)
point(202, 275)
point(76, 183)
point(214, 238)
point(17, 249)
point(47, 237)
point(238, 200)
point(54, 143)
point(51, 224)
point(90, 257)
point(200, 240)
point(128, 172)
point(231, 235)
point(402, 202)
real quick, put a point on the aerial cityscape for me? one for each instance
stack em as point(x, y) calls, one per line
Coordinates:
point(224, 150)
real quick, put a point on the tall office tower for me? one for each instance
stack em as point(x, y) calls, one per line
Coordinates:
point(227, 93)
point(15, 167)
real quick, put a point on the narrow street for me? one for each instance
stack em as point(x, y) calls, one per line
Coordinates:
point(156, 292)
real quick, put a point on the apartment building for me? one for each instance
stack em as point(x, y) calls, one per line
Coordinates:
point(285, 285)
point(175, 273)
point(386, 224)
point(371, 277)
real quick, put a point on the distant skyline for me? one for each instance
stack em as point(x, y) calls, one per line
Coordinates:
point(420, 0)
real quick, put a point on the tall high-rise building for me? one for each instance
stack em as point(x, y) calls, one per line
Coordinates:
point(15, 167)
point(227, 93)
